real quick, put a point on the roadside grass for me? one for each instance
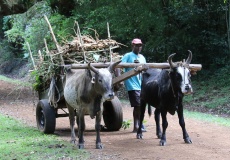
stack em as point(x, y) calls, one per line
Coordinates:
point(208, 118)
point(15, 81)
point(22, 142)
point(208, 96)
point(211, 92)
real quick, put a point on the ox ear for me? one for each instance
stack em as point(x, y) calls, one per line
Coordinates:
point(93, 80)
point(113, 65)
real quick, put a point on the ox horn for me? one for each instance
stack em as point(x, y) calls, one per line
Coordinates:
point(189, 59)
point(113, 65)
point(172, 65)
point(95, 70)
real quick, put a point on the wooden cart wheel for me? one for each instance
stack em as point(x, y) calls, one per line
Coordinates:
point(45, 117)
point(112, 114)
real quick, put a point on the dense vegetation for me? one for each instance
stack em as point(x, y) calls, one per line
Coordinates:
point(165, 26)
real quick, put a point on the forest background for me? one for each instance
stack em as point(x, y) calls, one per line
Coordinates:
point(165, 27)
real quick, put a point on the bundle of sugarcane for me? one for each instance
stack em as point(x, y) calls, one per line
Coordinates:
point(93, 50)
point(82, 49)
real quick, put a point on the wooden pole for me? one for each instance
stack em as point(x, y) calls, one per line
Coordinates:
point(108, 30)
point(40, 56)
point(129, 74)
point(31, 56)
point(110, 50)
point(52, 33)
point(47, 51)
point(54, 39)
point(193, 67)
point(81, 41)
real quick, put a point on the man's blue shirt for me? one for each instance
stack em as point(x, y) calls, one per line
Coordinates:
point(134, 82)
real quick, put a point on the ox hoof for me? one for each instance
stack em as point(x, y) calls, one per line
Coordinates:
point(99, 146)
point(81, 146)
point(188, 140)
point(73, 141)
point(162, 143)
point(139, 136)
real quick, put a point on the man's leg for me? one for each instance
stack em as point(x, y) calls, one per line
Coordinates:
point(136, 118)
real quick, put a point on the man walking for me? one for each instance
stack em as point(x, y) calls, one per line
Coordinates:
point(133, 84)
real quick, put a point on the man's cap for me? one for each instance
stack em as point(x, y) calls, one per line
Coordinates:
point(136, 41)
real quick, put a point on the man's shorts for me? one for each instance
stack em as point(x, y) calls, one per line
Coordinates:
point(134, 98)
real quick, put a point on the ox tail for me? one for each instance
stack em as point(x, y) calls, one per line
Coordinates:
point(149, 110)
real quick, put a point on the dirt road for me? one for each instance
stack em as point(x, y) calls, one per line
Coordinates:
point(210, 141)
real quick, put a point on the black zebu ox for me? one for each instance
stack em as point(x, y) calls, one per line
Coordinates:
point(84, 93)
point(164, 89)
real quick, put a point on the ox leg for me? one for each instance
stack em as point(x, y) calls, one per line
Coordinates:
point(164, 126)
point(157, 121)
point(72, 123)
point(81, 129)
point(142, 115)
point(182, 124)
point(98, 129)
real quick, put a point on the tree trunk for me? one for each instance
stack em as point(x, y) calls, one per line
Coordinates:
point(228, 22)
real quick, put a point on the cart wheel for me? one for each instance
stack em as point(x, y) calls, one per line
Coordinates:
point(112, 114)
point(45, 116)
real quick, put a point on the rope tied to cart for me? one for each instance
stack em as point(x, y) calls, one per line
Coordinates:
point(51, 94)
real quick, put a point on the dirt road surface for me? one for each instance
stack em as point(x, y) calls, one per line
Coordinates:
point(210, 141)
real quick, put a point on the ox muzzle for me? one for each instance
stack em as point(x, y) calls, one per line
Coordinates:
point(187, 89)
point(109, 96)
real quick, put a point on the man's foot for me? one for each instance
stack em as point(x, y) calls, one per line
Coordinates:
point(143, 129)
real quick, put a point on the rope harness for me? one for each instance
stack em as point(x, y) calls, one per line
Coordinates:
point(172, 84)
point(52, 90)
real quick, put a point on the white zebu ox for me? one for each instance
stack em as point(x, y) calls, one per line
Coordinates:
point(84, 92)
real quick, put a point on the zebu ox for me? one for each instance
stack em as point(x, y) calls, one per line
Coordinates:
point(84, 92)
point(164, 90)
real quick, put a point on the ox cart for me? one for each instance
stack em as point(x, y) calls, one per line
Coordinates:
point(72, 55)
point(46, 114)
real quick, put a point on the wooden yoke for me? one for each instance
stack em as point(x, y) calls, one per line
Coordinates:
point(138, 67)
point(193, 67)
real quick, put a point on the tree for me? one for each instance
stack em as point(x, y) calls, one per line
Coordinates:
point(227, 15)
point(165, 26)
